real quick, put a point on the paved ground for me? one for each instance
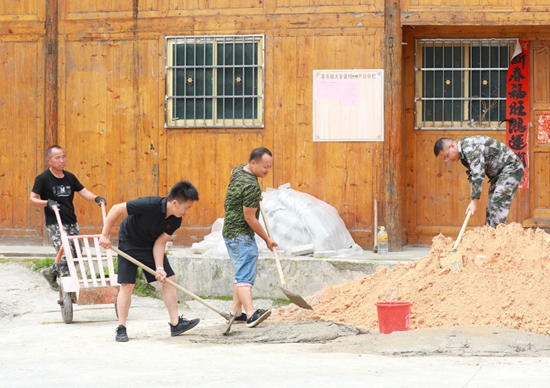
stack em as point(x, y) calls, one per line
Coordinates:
point(38, 350)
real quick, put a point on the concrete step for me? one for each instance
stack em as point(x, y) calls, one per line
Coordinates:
point(303, 275)
point(213, 276)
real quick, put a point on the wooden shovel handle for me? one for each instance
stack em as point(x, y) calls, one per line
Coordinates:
point(468, 214)
point(173, 284)
point(270, 235)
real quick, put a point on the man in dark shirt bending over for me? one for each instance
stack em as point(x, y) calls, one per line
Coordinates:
point(148, 224)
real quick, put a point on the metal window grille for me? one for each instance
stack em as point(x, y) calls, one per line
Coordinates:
point(461, 83)
point(214, 81)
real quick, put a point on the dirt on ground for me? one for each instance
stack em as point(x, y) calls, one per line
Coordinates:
point(497, 278)
point(494, 303)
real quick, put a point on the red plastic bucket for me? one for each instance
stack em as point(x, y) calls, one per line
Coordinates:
point(393, 316)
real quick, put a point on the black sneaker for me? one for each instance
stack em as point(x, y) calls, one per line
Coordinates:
point(183, 325)
point(258, 317)
point(121, 335)
point(51, 277)
point(240, 318)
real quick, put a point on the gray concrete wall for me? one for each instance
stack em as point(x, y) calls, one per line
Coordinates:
point(213, 277)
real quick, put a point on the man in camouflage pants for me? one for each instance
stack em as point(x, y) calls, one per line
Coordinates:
point(55, 186)
point(482, 155)
point(240, 225)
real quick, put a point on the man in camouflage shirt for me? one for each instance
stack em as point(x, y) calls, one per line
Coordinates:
point(482, 155)
point(240, 224)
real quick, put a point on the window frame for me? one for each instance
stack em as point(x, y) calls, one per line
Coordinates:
point(214, 121)
point(466, 72)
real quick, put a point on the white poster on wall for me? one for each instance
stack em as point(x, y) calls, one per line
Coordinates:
point(348, 105)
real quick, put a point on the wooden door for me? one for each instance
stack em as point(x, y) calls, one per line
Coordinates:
point(540, 136)
point(438, 193)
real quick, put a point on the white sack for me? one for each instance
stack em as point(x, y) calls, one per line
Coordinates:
point(295, 219)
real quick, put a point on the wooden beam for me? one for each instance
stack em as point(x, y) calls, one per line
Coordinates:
point(393, 210)
point(50, 87)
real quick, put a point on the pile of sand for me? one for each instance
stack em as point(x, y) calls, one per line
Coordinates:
point(503, 281)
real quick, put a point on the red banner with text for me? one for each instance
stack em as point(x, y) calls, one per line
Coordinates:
point(517, 107)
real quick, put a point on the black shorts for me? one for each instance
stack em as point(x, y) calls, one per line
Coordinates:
point(127, 270)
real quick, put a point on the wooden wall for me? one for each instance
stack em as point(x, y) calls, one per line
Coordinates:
point(110, 111)
point(540, 153)
point(105, 65)
point(21, 116)
point(437, 192)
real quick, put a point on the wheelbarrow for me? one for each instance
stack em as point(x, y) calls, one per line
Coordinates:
point(92, 278)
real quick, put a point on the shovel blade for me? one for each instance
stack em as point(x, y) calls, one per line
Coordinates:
point(296, 299)
point(229, 323)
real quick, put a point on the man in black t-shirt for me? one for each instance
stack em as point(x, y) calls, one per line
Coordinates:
point(148, 224)
point(55, 186)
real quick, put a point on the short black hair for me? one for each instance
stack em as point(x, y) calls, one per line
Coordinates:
point(441, 144)
point(50, 149)
point(257, 154)
point(183, 191)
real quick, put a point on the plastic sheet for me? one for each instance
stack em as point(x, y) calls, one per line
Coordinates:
point(296, 219)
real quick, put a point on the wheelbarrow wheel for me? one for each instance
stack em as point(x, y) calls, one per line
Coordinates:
point(66, 303)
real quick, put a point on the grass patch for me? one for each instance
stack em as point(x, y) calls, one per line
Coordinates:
point(45, 263)
point(224, 298)
point(277, 302)
point(142, 288)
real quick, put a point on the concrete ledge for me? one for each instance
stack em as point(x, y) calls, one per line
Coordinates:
point(303, 275)
point(213, 277)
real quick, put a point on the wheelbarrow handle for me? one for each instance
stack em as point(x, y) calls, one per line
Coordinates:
point(58, 215)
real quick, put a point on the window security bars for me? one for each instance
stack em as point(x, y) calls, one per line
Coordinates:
point(214, 81)
point(461, 83)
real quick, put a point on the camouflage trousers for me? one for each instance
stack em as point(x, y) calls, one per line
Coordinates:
point(55, 236)
point(501, 192)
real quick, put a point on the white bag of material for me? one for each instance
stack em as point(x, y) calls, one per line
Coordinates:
point(298, 218)
point(210, 240)
point(295, 219)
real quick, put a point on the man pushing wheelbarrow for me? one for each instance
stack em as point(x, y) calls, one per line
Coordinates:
point(148, 224)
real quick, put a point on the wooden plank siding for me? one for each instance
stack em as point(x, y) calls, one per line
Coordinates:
point(21, 133)
point(438, 193)
point(106, 82)
point(540, 198)
point(22, 116)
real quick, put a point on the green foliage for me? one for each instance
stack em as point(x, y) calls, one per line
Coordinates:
point(47, 262)
point(280, 302)
point(226, 298)
point(142, 288)
point(115, 265)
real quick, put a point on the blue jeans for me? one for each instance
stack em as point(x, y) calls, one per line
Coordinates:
point(243, 253)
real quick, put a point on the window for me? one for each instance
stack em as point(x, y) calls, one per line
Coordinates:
point(461, 84)
point(214, 81)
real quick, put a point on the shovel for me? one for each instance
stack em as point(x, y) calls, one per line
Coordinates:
point(468, 214)
point(454, 260)
point(177, 286)
point(296, 299)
